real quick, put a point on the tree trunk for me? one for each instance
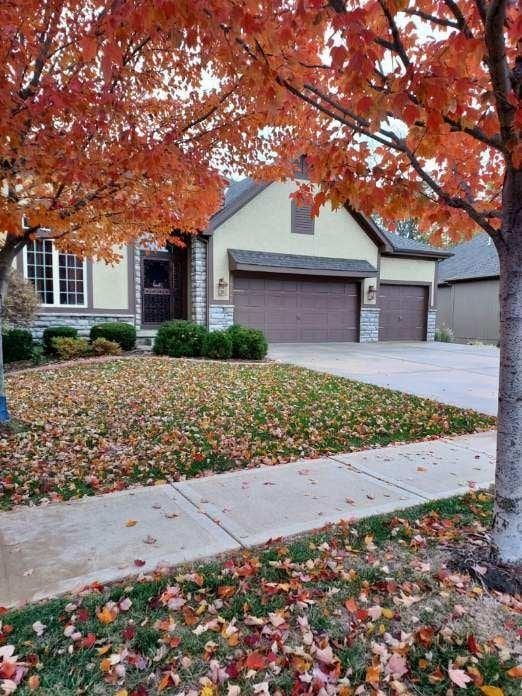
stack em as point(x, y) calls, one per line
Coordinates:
point(8, 252)
point(507, 521)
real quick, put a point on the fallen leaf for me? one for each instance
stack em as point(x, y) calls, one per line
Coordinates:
point(256, 661)
point(491, 690)
point(459, 677)
point(131, 523)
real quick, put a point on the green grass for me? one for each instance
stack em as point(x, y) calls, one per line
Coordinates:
point(102, 427)
point(306, 582)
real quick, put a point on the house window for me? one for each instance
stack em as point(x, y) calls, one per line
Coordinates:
point(302, 220)
point(58, 277)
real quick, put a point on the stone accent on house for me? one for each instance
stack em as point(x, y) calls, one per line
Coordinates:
point(431, 324)
point(369, 326)
point(220, 317)
point(137, 285)
point(82, 322)
point(198, 281)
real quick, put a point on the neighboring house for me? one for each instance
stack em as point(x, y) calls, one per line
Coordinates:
point(262, 262)
point(468, 291)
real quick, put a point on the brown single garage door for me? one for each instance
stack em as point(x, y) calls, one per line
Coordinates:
point(289, 308)
point(403, 312)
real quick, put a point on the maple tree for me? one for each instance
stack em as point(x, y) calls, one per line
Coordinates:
point(108, 123)
point(407, 109)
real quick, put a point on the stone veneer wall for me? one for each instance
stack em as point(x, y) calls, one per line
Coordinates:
point(369, 326)
point(137, 285)
point(82, 322)
point(431, 324)
point(220, 317)
point(198, 281)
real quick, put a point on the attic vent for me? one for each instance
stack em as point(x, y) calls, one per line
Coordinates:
point(302, 221)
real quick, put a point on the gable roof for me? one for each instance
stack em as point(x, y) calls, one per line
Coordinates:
point(476, 258)
point(241, 192)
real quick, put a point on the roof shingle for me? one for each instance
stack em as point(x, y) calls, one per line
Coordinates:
point(476, 258)
point(296, 261)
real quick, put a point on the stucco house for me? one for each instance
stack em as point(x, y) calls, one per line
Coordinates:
point(262, 262)
point(468, 291)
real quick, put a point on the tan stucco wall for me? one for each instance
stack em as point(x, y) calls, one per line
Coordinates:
point(409, 270)
point(264, 224)
point(110, 284)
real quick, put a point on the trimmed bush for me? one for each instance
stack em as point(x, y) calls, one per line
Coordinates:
point(17, 344)
point(179, 339)
point(118, 331)
point(68, 347)
point(52, 332)
point(102, 346)
point(217, 345)
point(247, 344)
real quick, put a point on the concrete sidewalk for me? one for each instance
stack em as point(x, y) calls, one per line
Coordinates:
point(52, 549)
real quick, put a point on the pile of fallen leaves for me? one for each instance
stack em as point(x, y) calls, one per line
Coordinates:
point(359, 609)
point(102, 427)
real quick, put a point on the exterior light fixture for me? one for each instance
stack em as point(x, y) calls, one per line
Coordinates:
point(371, 293)
point(222, 287)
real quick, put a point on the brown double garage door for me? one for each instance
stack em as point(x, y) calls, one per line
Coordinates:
point(300, 309)
point(297, 309)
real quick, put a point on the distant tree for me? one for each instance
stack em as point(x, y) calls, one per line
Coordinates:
point(408, 228)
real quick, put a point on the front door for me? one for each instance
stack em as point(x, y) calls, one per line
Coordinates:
point(163, 286)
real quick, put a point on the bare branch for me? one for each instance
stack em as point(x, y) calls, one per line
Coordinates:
point(459, 17)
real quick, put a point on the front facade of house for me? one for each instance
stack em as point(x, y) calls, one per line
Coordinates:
point(262, 262)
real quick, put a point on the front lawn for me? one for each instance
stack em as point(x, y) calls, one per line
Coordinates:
point(101, 427)
point(364, 609)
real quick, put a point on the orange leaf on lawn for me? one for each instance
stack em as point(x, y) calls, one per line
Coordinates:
point(491, 690)
point(256, 661)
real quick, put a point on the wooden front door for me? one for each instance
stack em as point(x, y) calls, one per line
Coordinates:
point(163, 286)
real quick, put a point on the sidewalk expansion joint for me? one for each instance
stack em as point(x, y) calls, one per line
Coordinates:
point(174, 485)
point(389, 482)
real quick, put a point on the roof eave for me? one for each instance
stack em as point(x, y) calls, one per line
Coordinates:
point(468, 279)
point(419, 253)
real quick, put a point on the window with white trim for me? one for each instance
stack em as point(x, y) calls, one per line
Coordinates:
point(58, 277)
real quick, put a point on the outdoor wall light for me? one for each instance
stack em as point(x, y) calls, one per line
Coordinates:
point(371, 293)
point(222, 287)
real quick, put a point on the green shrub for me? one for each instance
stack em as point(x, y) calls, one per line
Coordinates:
point(247, 344)
point(52, 332)
point(102, 346)
point(444, 334)
point(17, 344)
point(69, 347)
point(217, 345)
point(179, 339)
point(118, 331)
point(37, 354)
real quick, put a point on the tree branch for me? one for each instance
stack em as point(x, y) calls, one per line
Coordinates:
point(459, 17)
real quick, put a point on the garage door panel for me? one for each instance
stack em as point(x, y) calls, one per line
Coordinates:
point(403, 312)
point(298, 309)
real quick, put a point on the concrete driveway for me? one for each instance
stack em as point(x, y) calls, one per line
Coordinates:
point(456, 374)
